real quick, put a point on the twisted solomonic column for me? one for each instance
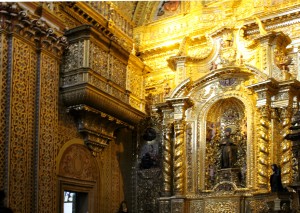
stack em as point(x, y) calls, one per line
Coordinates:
point(286, 148)
point(179, 157)
point(167, 161)
point(263, 146)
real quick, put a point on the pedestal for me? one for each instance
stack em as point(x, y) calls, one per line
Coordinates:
point(230, 174)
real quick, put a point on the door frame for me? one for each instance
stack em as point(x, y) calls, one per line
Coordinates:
point(70, 184)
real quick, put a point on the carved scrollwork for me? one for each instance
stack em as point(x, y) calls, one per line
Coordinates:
point(96, 127)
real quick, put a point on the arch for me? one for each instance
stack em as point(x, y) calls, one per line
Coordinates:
point(186, 87)
point(78, 171)
point(201, 134)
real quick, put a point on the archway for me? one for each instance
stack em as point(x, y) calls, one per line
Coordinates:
point(78, 178)
point(226, 116)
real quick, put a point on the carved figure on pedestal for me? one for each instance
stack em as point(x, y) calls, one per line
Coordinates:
point(275, 179)
point(228, 151)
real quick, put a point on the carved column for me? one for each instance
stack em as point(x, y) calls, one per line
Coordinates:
point(179, 158)
point(284, 100)
point(264, 91)
point(179, 150)
point(294, 136)
point(167, 152)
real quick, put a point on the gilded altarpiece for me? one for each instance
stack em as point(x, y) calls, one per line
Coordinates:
point(229, 98)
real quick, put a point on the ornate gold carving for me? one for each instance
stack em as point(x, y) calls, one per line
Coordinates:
point(178, 161)
point(189, 157)
point(196, 206)
point(258, 206)
point(96, 127)
point(221, 206)
point(21, 127)
point(167, 160)
point(286, 147)
point(105, 18)
point(263, 146)
point(103, 83)
point(77, 163)
point(3, 98)
point(48, 120)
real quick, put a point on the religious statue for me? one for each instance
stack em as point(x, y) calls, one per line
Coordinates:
point(228, 151)
point(275, 179)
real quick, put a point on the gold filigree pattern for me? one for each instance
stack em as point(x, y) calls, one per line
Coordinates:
point(221, 206)
point(3, 98)
point(48, 133)
point(73, 60)
point(22, 125)
point(197, 206)
point(98, 59)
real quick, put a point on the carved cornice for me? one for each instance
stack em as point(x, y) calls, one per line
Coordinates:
point(274, 21)
point(287, 90)
point(100, 100)
point(105, 25)
point(32, 27)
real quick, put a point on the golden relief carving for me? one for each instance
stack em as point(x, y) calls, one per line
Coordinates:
point(3, 98)
point(22, 122)
point(178, 158)
point(48, 136)
point(263, 147)
point(286, 146)
point(221, 206)
point(77, 163)
point(167, 160)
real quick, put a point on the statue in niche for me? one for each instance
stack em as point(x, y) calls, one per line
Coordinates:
point(228, 151)
point(275, 179)
point(230, 129)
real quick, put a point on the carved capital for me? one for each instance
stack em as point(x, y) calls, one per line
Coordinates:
point(180, 105)
point(264, 90)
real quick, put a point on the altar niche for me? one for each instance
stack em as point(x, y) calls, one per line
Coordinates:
point(226, 144)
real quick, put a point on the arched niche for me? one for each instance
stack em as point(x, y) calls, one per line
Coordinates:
point(78, 172)
point(231, 110)
point(225, 115)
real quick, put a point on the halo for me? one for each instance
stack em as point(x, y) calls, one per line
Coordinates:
point(232, 127)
